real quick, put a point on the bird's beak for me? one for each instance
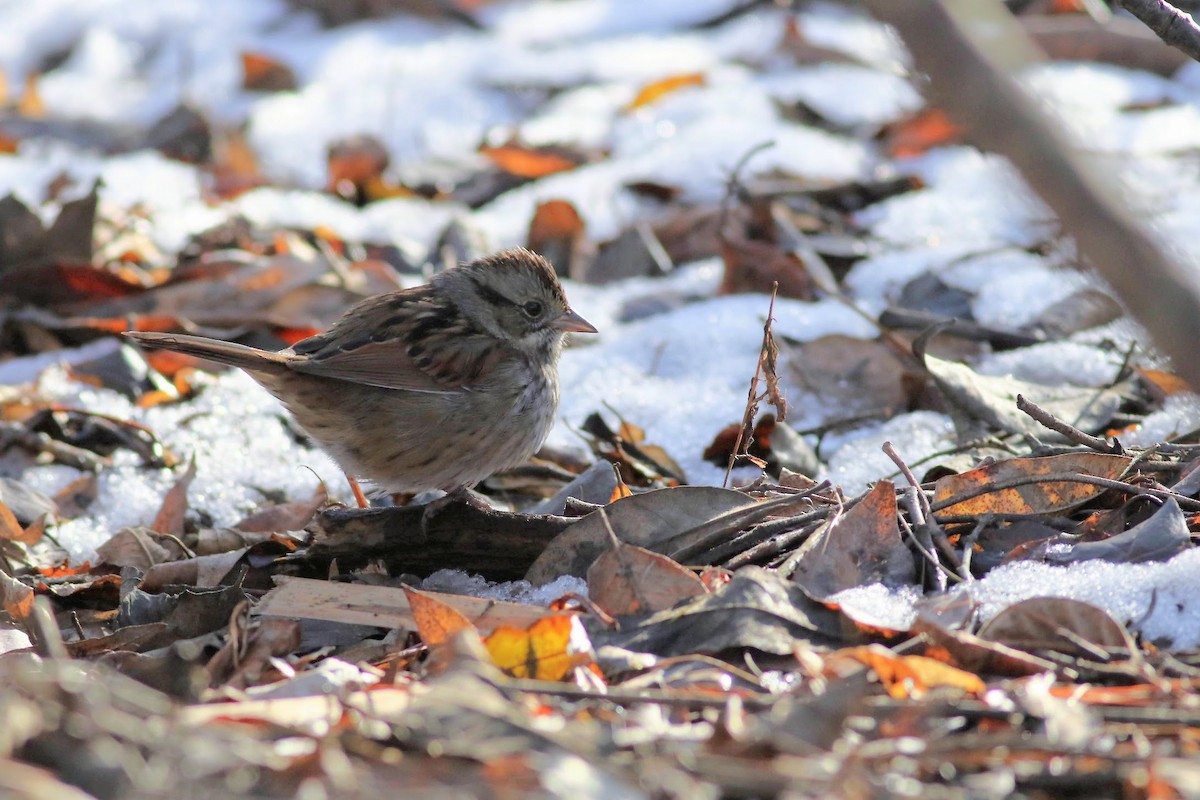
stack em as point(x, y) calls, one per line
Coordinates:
point(571, 322)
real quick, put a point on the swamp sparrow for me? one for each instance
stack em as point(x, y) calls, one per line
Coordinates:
point(435, 387)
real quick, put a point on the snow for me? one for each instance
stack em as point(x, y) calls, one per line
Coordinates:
point(567, 73)
point(244, 453)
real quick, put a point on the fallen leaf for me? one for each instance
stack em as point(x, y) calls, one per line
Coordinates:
point(556, 231)
point(911, 676)
point(982, 404)
point(548, 650)
point(137, 547)
point(76, 497)
point(928, 128)
point(1036, 497)
point(291, 516)
point(856, 548)
point(1164, 535)
point(263, 73)
point(757, 608)
point(652, 92)
point(171, 513)
point(527, 162)
point(648, 520)
point(1059, 624)
point(1162, 383)
point(859, 377)
point(30, 104)
point(10, 529)
point(756, 266)
point(436, 621)
point(627, 579)
point(15, 597)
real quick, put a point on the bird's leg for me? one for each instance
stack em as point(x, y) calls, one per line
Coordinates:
point(359, 497)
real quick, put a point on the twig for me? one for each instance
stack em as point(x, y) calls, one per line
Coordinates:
point(926, 522)
point(1048, 420)
point(733, 184)
point(967, 49)
point(752, 398)
point(1175, 27)
point(766, 540)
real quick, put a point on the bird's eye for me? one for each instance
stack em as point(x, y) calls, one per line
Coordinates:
point(532, 309)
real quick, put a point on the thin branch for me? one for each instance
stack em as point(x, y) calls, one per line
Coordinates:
point(1073, 434)
point(1175, 27)
point(968, 49)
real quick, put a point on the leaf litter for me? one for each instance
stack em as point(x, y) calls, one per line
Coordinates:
point(783, 637)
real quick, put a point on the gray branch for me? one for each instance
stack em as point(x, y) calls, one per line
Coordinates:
point(967, 48)
point(1175, 27)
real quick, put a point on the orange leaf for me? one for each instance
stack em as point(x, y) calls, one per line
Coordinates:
point(1032, 498)
point(11, 529)
point(293, 335)
point(30, 104)
point(912, 676)
point(652, 92)
point(923, 131)
point(437, 622)
point(1164, 383)
point(620, 490)
point(552, 221)
point(547, 650)
point(266, 74)
point(65, 570)
point(526, 162)
point(15, 597)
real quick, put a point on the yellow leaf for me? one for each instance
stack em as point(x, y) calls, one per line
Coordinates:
point(653, 92)
point(547, 650)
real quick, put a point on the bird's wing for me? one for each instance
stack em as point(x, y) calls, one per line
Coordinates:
point(411, 340)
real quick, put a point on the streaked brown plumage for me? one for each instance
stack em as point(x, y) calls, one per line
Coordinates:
point(435, 387)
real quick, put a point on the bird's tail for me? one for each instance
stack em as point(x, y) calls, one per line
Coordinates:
point(236, 355)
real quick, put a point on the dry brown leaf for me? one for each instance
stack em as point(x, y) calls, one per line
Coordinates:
point(263, 73)
point(1058, 624)
point(137, 547)
point(862, 546)
point(756, 266)
point(15, 597)
point(169, 518)
point(75, 498)
point(291, 516)
point(1040, 497)
point(436, 621)
point(11, 530)
point(859, 376)
point(628, 579)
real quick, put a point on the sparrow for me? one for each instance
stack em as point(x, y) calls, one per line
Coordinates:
point(434, 387)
